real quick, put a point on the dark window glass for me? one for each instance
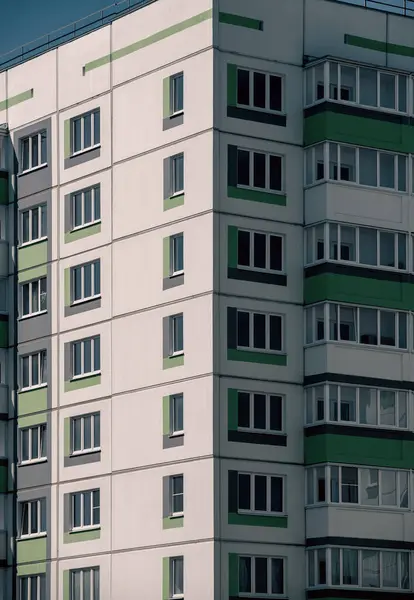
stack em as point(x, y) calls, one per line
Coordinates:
point(243, 87)
point(275, 166)
point(243, 409)
point(276, 494)
point(275, 253)
point(260, 492)
point(260, 250)
point(244, 492)
point(276, 413)
point(277, 576)
point(243, 248)
point(259, 411)
point(259, 331)
point(243, 337)
point(275, 93)
point(243, 167)
point(261, 575)
point(275, 333)
point(259, 90)
point(259, 170)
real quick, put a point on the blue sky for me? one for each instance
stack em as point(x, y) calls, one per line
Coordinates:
point(25, 20)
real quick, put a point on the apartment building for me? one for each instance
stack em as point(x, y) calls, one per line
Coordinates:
point(206, 306)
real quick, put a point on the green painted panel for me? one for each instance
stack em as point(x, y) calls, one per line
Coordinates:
point(83, 382)
point(4, 191)
point(378, 46)
point(31, 550)
point(66, 436)
point(166, 415)
point(231, 84)
point(4, 479)
point(67, 287)
point(31, 256)
point(4, 333)
point(32, 401)
point(173, 361)
point(256, 196)
point(258, 520)
point(173, 202)
point(165, 578)
point(232, 409)
point(232, 246)
point(32, 420)
point(9, 102)
point(376, 452)
point(31, 569)
point(172, 522)
point(66, 134)
point(233, 574)
point(239, 21)
point(257, 357)
point(360, 131)
point(152, 39)
point(66, 585)
point(166, 104)
point(81, 536)
point(166, 257)
point(78, 234)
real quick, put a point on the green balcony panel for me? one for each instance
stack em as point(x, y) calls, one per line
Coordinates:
point(31, 550)
point(32, 401)
point(32, 256)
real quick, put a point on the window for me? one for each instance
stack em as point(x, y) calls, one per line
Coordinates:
point(86, 281)
point(177, 174)
point(260, 493)
point(32, 587)
point(363, 166)
point(33, 518)
point(260, 412)
point(177, 577)
point(362, 245)
point(259, 331)
point(261, 91)
point(259, 251)
point(86, 207)
point(84, 584)
point(86, 131)
point(177, 414)
point(356, 485)
point(34, 224)
point(86, 433)
point(85, 509)
point(33, 443)
point(177, 94)
point(259, 170)
point(33, 151)
point(34, 370)
point(34, 297)
point(261, 575)
point(176, 335)
point(360, 325)
point(86, 357)
point(358, 85)
point(177, 254)
point(365, 568)
point(177, 495)
point(357, 405)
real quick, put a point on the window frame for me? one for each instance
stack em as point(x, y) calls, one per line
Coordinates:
point(172, 320)
point(41, 293)
point(94, 493)
point(40, 587)
point(267, 156)
point(268, 236)
point(41, 164)
point(41, 434)
point(81, 342)
point(42, 235)
point(176, 272)
point(42, 370)
point(94, 265)
point(95, 144)
point(268, 396)
point(267, 349)
point(95, 190)
point(268, 512)
point(94, 417)
point(173, 399)
point(40, 518)
point(268, 75)
point(175, 189)
point(173, 79)
point(174, 494)
point(253, 593)
point(173, 561)
point(94, 572)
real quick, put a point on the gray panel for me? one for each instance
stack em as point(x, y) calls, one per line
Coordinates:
point(36, 346)
point(67, 522)
point(166, 337)
point(68, 362)
point(34, 181)
point(166, 491)
point(36, 494)
point(172, 121)
point(82, 459)
point(34, 200)
point(37, 474)
point(167, 177)
point(79, 159)
point(172, 282)
point(67, 211)
point(33, 328)
point(172, 441)
point(83, 307)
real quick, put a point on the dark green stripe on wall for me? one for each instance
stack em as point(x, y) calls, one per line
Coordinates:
point(239, 21)
point(231, 84)
point(378, 45)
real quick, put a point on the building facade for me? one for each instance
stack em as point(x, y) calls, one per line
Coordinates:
point(206, 307)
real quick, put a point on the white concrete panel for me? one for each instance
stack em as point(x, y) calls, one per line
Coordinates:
point(138, 198)
point(138, 108)
point(152, 20)
point(73, 85)
point(198, 582)
point(335, 20)
point(281, 38)
point(137, 425)
point(38, 74)
point(103, 561)
point(53, 301)
point(3, 96)
point(138, 342)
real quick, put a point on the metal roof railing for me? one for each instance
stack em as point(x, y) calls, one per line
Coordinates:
point(70, 32)
point(403, 8)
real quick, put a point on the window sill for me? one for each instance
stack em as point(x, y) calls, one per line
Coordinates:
point(177, 515)
point(354, 184)
point(85, 375)
point(360, 507)
point(177, 113)
point(32, 170)
point(357, 265)
point(280, 113)
point(261, 431)
point(258, 270)
point(32, 536)
point(176, 274)
point(258, 513)
point(28, 463)
point(261, 350)
point(86, 300)
point(33, 387)
point(82, 529)
point(84, 150)
point(360, 425)
point(85, 226)
point(85, 452)
point(392, 111)
point(353, 344)
point(32, 315)
point(176, 434)
point(174, 354)
point(258, 189)
point(33, 242)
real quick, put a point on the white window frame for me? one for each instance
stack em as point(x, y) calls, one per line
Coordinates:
point(41, 293)
point(173, 80)
point(42, 371)
point(269, 594)
point(93, 572)
point(40, 431)
point(268, 236)
point(95, 113)
point(94, 417)
point(173, 271)
point(40, 587)
point(94, 264)
point(251, 414)
point(84, 373)
point(41, 234)
point(40, 507)
point(173, 560)
point(268, 511)
point(173, 160)
point(173, 399)
point(251, 90)
point(267, 156)
point(267, 350)
point(38, 135)
point(94, 190)
point(176, 494)
point(82, 494)
point(173, 320)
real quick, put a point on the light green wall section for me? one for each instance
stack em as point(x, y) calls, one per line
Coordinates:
point(173, 202)
point(166, 415)
point(165, 578)
point(232, 246)
point(166, 257)
point(81, 536)
point(152, 39)
point(31, 550)
point(256, 196)
point(378, 46)
point(67, 287)
point(239, 21)
point(84, 382)
point(233, 574)
point(66, 133)
point(4, 479)
point(232, 409)
point(172, 522)
point(32, 401)
point(265, 358)
point(258, 520)
point(66, 436)
point(4, 333)
point(4, 190)
point(173, 361)
point(32, 420)
point(166, 105)
point(31, 256)
point(73, 236)
point(231, 84)
point(66, 585)
point(13, 100)
point(31, 569)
